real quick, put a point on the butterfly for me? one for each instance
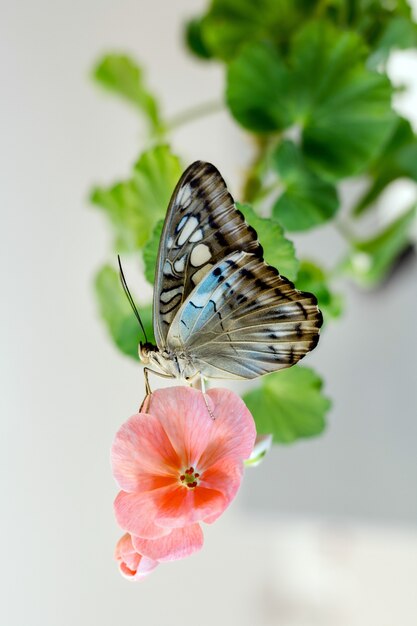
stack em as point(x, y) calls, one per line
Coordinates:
point(219, 310)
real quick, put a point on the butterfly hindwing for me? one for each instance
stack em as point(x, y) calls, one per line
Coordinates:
point(202, 227)
point(244, 320)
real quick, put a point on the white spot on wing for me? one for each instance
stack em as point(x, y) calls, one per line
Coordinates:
point(200, 255)
point(196, 236)
point(167, 296)
point(182, 223)
point(179, 265)
point(188, 229)
point(184, 196)
point(167, 269)
point(168, 317)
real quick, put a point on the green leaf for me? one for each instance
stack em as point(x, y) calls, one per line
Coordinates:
point(134, 206)
point(150, 252)
point(400, 33)
point(398, 160)
point(371, 17)
point(121, 205)
point(116, 312)
point(313, 279)
point(230, 24)
point(258, 89)
point(370, 261)
point(307, 200)
point(289, 404)
point(278, 251)
point(195, 40)
point(121, 75)
point(343, 110)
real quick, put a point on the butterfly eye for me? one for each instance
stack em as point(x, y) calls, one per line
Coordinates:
point(143, 350)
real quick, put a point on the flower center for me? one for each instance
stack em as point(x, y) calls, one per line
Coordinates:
point(189, 478)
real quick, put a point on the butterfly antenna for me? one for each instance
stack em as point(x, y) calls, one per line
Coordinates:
point(129, 297)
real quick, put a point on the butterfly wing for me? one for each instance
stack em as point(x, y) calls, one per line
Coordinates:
point(244, 320)
point(201, 227)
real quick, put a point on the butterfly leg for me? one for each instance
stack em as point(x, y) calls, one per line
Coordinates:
point(210, 412)
point(145, 404)
point(148, 390)
point(198, 382)
point(146, 371)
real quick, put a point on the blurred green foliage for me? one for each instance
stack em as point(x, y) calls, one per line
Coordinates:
point(278, 250)
point(121, 75)
point(341, 108)
point(134, 206)
point(313, 278)
point(228, 25)
point(117, 314)
point(307, 199)
point(369, 261)
point(306, 79)
point(289, 404)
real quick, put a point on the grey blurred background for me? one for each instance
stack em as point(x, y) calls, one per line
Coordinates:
point(324, 531)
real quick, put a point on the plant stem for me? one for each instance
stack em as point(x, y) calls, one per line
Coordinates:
point(253, 186)
point(344, 230)
point(193, 113)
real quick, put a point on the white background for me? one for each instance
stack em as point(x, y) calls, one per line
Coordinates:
point(324, 531)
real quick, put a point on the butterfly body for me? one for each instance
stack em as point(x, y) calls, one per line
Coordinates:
point(220, 311)
point(172, 364)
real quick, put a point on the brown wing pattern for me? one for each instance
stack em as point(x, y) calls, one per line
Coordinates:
point(202, 226)
point(245, 320)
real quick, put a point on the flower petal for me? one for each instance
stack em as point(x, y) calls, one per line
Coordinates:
point(151, 450)
point(185, 418)
point(142, 455)
point(234, 431)
point(181, 507)
point(132, 565)
point(224, 476)
point(135, 512)
point(180, 542)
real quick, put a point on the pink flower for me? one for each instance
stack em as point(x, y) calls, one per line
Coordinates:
point(132, 565)
point(177, 466)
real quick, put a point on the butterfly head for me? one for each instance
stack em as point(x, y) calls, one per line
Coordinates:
point(168, 364)
point(145, 350)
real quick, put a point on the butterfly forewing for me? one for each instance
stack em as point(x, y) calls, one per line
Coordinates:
point(244, 320)
point(201, 228)
point(219, 309)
